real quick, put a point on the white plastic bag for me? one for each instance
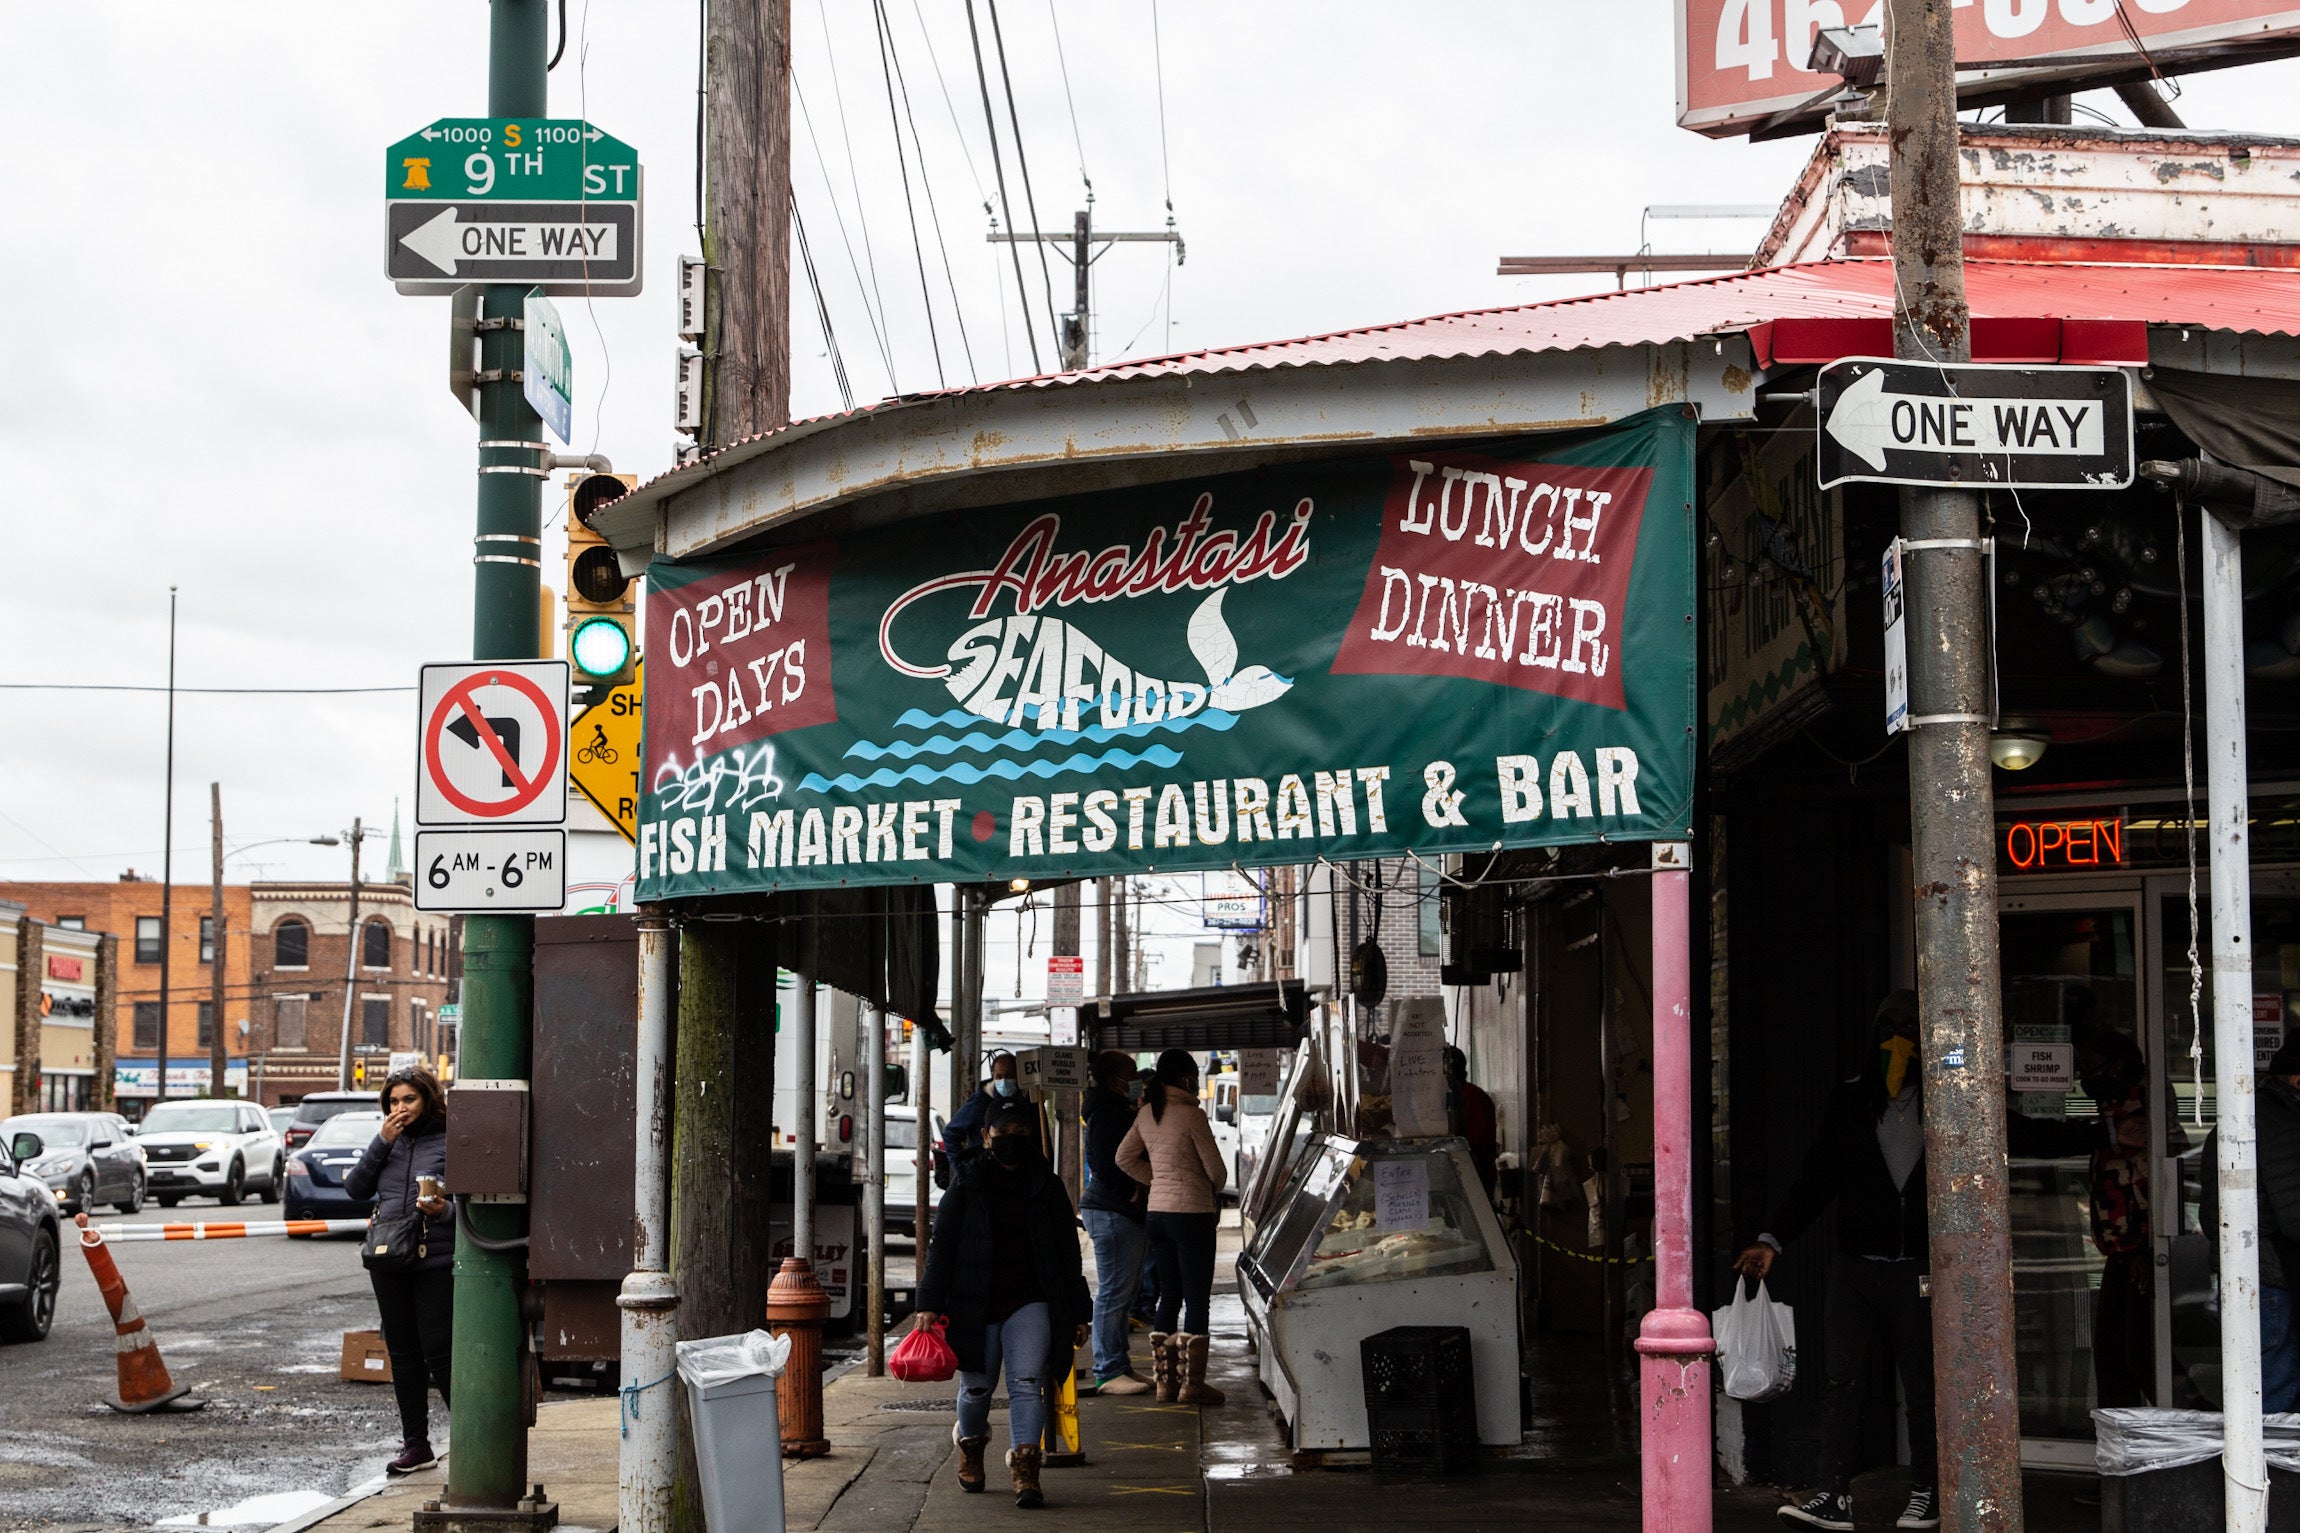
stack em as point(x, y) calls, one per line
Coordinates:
point(718, 1359)
point(1756, 1345)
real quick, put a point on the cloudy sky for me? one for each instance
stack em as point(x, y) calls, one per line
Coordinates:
point(206, 382)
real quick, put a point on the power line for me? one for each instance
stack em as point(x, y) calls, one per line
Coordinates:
point(990, 121)
point(1166, 173)
point(949, 105)
point(862, 208)
point(1069, 100)
point(894, 123)
point(831, 192)
point(822, 307)
point(926, 182)
point(76, 686)
point(1022, 160)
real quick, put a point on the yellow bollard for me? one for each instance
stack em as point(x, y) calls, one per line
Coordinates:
point(1065, 1448)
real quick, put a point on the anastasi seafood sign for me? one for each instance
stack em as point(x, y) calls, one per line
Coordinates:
point(1448, 650)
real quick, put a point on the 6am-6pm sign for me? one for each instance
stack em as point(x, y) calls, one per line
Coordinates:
point(1741, 63)
point(1452, 649)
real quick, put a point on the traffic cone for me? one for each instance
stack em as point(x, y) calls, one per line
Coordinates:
point(144, 1382)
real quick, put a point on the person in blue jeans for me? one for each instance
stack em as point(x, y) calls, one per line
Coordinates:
point(1003, 1270)
point(1113, 1208)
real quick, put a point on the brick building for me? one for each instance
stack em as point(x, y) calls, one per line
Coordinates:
point(285, 957)
point(54, 983)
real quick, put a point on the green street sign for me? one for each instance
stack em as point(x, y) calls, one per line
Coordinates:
point(534, 201)
point(511, 159)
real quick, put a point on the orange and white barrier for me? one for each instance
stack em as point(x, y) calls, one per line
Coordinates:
point(144, 1382)
point(228, 1229)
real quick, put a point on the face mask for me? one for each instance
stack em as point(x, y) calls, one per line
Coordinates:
point(1133, 1091)
point(1002, 1088)
point(1009, 1150)
point(1896, 1055)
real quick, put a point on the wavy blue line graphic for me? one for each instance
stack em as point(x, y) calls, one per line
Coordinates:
point(1011, 771)
point(1028, 739)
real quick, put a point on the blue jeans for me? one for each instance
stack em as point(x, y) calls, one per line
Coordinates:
point(1023, 1336)
point(1119, 1243)
point(2279, 1352)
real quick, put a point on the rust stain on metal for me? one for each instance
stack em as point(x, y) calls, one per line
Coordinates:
point(1736, 380)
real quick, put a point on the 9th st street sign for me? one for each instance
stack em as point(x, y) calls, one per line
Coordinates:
point(1980, 426)
point(536, 201)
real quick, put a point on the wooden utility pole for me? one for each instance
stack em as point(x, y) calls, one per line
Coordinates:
point(1951, 801)
point(1102, 936)
point(1080, 240)
point(216, 1049)
point(723, 1094)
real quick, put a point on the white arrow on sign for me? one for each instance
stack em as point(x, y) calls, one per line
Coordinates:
point(1866, 421)
point(443, 241)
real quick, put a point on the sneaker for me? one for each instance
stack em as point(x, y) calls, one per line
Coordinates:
point(1127, 1383)
point(1827, 1509)
point(1924, 1510)
point(412, 1456)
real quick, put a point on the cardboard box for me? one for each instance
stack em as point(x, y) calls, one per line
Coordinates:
point(364, 1360)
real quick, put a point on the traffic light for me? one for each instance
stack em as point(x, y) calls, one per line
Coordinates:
point(602, 617)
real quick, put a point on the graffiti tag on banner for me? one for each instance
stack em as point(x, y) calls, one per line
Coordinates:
point(603, 753)
point(1444, 651)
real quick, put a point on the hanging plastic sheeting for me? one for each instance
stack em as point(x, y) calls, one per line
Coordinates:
point(2138, 1439)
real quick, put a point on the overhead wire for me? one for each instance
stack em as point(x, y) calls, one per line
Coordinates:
point(934, 213)
point(1022, 161)
point(822, 308)
point(949, 105)
point(1166, 174)
point(902, 161)
point(1070, 101)
point(1005, 206)
point(831, 192)
point(862, 208)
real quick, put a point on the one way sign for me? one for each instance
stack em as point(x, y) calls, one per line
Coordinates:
point(1986, 426)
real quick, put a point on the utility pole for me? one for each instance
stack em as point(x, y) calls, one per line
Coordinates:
point(1077, 325)
point(350, 967)
point(1066, 1136)
point(1121, 940)
point(487, 1474)
point(167, 862)
point(1953, 817)
point(216, 942)
point(1102, 937)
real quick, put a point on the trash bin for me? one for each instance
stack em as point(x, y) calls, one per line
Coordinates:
point(2160, 1471)
point(738, 1435)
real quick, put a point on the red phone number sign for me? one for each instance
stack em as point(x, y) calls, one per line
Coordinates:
point(1742, 61)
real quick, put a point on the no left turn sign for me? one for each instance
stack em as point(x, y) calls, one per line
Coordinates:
point(493, 744)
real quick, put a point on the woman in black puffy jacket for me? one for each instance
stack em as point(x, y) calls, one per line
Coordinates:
point(416, 1300)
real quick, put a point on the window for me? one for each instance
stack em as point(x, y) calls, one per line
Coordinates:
point(147, 1024)
point(207, 939)
point(375, 1022)
point(375, 945)
point(147, 939)
point(1432, 912)
point(73, 923)
point(288, 1021)
point(291, 945)
point(207, 1024)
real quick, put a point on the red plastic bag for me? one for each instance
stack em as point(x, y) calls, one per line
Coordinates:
point(923, 1357)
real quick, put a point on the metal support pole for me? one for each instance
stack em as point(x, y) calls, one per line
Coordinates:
point(804, 1034)
point(1674, 1340)
point(922, 1109)
point(650, 1297)
point(797, 1306)
point(2244, 1467)
point(874, 1188)
point(350, 966)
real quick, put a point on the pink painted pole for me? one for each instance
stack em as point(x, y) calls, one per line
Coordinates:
point(1674, 1341)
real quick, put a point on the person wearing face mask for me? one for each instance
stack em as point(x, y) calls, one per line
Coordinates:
point(1003, 1270)
point(1171, 1147)
point(964, 1133)
point(1113, 1208)
point(1869, 1162)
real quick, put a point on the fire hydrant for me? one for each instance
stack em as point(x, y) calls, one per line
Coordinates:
point(797, 1308)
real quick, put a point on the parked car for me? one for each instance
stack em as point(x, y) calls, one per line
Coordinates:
point(320, 1106)
point(211, 1145)
point(902, 1166)
point(281, 1117)
point(31, 1240)
point(86, 1158)
point(315, 1173)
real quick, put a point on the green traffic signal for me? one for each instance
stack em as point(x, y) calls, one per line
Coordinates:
point(601, 646)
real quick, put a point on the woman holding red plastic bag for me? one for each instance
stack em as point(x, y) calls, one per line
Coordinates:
point(1003, 1272)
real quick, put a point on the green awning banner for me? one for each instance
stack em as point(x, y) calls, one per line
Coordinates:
point(1453, 649)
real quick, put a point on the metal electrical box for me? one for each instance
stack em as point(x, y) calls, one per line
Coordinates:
point(487, 1140)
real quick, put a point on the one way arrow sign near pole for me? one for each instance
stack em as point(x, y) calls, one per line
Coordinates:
point(1979, 425)
point(563, 245)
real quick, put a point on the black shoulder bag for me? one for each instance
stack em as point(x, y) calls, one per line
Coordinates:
point(398, 1243)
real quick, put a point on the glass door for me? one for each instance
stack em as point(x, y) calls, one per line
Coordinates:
point(2080, 1104)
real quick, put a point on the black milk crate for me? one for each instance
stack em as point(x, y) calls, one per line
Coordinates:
point(1421, 1400)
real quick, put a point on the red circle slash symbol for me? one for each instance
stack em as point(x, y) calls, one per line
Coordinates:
point(460, 699)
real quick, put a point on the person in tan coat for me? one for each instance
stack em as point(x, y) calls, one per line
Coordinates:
point(1171, 1148)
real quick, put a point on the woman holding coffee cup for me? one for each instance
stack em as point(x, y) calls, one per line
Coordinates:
point(410, 1250)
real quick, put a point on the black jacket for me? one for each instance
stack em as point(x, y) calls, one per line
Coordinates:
point(958, 1264)
point(2277, 1130)
point(1846, 1167)
point(387, 1173)
point(1108, 1116)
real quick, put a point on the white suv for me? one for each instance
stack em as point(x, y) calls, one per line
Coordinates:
point(215, 1146)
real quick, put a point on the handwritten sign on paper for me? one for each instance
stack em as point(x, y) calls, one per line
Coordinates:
point(1417, 1069)
point(1401, 1196)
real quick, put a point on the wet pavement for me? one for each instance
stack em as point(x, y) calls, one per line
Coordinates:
point(255, 1327)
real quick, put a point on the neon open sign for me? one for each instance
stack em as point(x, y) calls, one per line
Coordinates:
point(2038, 845)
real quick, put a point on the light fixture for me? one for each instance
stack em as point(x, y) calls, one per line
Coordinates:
point(1855, 55)
point(1017, 885)
point(2017, 747)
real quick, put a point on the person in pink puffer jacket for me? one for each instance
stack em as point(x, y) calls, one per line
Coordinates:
point(1171, 1147)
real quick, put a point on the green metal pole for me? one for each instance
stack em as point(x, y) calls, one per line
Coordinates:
point(488, 1467)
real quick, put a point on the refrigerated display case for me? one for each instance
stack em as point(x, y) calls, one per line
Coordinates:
point(1366, 1235)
